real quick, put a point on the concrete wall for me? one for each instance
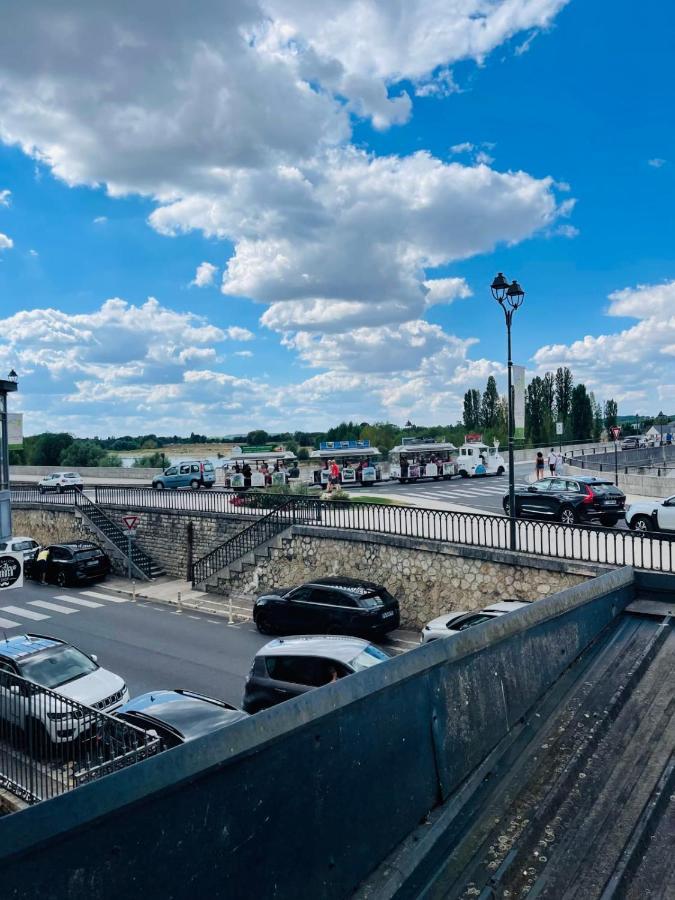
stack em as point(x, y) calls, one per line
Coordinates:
point(428, 578)
point(306, 799)
point(107, 473)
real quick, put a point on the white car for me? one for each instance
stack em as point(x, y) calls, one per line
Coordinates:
point(65, 671)
point(60, 481)
point(24, 545)
point(453, 623)
point(651, 515)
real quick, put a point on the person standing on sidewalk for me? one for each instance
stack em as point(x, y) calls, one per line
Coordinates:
point(539, 465)
point(552, 460)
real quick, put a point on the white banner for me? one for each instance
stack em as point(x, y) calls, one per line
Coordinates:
point(519, 401)
point(11, 570)
point(15, 429)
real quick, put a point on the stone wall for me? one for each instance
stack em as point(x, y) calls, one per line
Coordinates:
point(427, 577)
point(163, 535)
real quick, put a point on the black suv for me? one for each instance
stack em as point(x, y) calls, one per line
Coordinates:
point(74, 563)
point(570, 499)
point(328, 606)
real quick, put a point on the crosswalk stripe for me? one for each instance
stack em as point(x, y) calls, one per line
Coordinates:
point(105, 597)
point(7, 623)
point(54, 607)
point(26, 613)
point(78, 601)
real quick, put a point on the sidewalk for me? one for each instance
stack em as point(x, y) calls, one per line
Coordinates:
point(178, 593)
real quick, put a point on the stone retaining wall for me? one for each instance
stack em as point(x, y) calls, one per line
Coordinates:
point(428, 577)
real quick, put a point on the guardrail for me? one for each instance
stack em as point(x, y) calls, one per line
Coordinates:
point(210, 501)
point(50, 744)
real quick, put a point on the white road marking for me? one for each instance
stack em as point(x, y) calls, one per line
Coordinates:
point(54, 607)
point(98, 596)
point(78, 601)
point(7, 623)
point(26, 613)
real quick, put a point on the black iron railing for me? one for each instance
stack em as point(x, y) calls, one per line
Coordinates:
point(50, 744)
point(239, 503)
point(279, 519)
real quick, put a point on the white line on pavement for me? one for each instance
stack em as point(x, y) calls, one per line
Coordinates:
point(54, 607)
point(7, 623)
point(98, 596)
point(78, 601)
point(26, 613)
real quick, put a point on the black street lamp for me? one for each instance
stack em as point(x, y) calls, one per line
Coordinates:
point(510, 297)
point(7, 386)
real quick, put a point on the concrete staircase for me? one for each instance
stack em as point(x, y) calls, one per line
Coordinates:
point(228, 581)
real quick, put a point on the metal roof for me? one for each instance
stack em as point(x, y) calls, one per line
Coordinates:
point(341, 649)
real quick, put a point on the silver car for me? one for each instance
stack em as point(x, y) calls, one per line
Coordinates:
point(454, 622)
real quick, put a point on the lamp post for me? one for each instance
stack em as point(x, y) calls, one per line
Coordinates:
point(7, 386)
point(510, 297)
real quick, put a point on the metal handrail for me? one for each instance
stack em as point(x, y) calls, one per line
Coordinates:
point(50, 744)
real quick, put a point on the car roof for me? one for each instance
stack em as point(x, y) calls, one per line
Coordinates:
point(21, 645)
point(341, 649)
point(590, 479)
point(190, 714)
point(506, 605)
point(345, 584)
point(20, 537)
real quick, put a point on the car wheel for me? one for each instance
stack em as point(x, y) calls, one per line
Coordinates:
point(262, 623)
point(61, 579)
point(160, 486)
point(500, 470)
point(194, 484)
point(568, 516)
point(642, 524)
point(608, 521)
point(464, 473)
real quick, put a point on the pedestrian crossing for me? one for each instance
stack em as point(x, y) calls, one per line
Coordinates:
point(15, 616)
point(461, 491)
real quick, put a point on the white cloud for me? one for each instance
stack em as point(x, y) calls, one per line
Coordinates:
point(609, 363)
point(6, 243)
point(566, 230)
point(245, 353)
point(204, 275)
point(100, 220)
point(235, 333)
point(5, 195)
point(656, 163)
point(32, 252)
point(484, 159)
point(446, 290)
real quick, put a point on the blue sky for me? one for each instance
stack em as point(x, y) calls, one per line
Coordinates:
point(305, 151)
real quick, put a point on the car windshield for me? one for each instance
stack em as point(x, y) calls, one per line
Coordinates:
point(208, 467)
point(56, 666)
point(367, 658)
point(371, 601)
point(604, 489)
point(88, 554)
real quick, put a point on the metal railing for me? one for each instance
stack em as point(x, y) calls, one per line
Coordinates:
point(50, 744)
point(290, 512)
point(76, 498)
point(249, 502)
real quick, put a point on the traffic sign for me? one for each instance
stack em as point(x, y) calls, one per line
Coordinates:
point(558, 427)
point(615, 431)
point(131, 523)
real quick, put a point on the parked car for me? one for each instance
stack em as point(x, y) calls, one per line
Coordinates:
point(57, 665)
point(60, 482)
point(568, 499)
point(652, 515)
point(328, 606)
point(633, 443)
point(452, 623)
point(73, 563)
point(178, 716)
point(288, 667)
point(24, 545)
point(192, 473)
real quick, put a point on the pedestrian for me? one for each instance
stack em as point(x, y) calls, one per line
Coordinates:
point(246, 472)
point(559, 464)
point(539, 465)
point(333, 476)
point(552, 460)
point(41, 566)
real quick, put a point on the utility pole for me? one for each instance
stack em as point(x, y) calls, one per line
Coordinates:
point(7, 386)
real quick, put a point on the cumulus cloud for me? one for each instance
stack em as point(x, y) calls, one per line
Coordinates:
point(205, 274)
point(236, 333)
point(5, 195)
point(608, 363)
point(100, 220)
point(656, 162)
point(6, 243)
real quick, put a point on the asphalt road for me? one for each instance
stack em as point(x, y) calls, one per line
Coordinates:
point(149, 644)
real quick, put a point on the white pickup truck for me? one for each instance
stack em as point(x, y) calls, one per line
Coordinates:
point(651, 515)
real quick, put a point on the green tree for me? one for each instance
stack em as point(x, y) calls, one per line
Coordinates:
point(611, 413)
point(155, 460)
point(303, 453)
point(596, 408)
point(46, 449)
point(110, 461)
point(382, 435)
point(581, 414)
point(82, 453)
point(489, 404)
point(563, 393)
point(472, 409)
point(257, 437)
point(538, 415)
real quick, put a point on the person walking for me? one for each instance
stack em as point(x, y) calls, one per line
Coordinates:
point(539, 465)
point(552, 460)
point(334, 476)
point(559, 464)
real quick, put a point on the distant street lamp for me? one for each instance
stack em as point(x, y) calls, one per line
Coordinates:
point(7, 386)
point(510, 297)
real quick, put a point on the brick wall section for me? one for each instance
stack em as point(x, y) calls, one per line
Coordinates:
point(427, 577)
